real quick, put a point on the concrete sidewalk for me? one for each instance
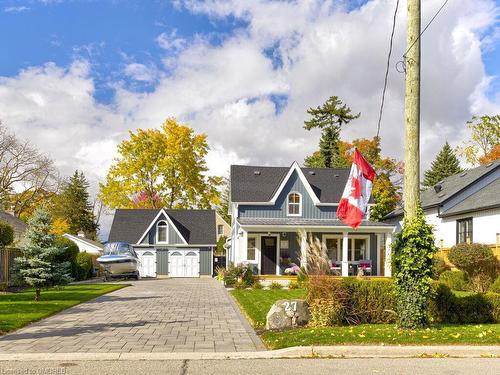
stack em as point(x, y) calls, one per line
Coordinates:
point(438, 351)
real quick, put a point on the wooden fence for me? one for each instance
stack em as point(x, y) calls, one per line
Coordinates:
point(7, 257)
point(443, 252)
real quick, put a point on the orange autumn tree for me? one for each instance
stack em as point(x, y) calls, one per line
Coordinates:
point(387, 185)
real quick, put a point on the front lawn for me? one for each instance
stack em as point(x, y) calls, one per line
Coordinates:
point(19, 309)
point(388, 334)
point(256, 304)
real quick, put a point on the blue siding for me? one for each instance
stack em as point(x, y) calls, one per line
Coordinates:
point(173, 237)
point(309, 210)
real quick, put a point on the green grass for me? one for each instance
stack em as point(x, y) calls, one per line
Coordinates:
point(19, 309)
point(388, 334)
point(257, 302)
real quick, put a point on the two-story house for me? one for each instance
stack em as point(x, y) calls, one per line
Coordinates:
point(271, 205)
point(463, 208)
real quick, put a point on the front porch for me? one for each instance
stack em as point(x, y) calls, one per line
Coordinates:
point(273, 251)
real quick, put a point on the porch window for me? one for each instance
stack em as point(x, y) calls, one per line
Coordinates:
point(333, 247)
point(162, 232)
point(358, 249)
point(251, 245)
point(464, 230)
point(294, 204)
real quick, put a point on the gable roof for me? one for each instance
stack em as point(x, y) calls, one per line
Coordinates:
point(452, 185)
point(88, 241)
point(327, 184)
point(197, 227)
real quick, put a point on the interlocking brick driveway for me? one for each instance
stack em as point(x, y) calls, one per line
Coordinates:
point(166, 315)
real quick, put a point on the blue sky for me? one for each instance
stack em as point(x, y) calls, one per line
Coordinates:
point(77, 75)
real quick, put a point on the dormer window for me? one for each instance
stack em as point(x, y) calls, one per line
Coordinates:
point(294, 207)
point(162, 232)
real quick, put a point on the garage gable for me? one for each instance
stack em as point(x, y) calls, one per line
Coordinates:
point(173, 235)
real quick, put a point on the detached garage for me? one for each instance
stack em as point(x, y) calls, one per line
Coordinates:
point(169, 243)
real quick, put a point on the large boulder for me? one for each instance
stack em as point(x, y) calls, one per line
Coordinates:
point(287, 313)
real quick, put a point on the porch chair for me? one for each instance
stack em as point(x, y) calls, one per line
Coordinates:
point(335, 267)
point(365, 266)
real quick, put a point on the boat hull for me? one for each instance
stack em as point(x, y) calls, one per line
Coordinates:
point(118, 265)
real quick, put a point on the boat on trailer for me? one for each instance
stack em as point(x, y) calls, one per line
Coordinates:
point(119, 260)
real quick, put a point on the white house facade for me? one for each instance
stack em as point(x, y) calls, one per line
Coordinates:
point(463, 208)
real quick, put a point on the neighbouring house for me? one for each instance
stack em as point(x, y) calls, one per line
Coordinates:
point(85, 245)
point(17, 225)
point(270, 205)
point(463, 208)
point(169, 243)
point(223, 228)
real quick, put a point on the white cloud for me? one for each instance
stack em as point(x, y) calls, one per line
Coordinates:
point(140, 72)
point(226, 90)
point(16, 9)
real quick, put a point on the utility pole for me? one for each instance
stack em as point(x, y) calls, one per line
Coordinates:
point(411, 186)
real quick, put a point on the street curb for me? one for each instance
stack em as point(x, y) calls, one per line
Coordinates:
point(340, 352)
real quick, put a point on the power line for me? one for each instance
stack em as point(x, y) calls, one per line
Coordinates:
point(403, 62)
point(387, 68)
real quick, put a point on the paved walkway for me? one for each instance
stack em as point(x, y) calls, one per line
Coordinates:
point(165, 315)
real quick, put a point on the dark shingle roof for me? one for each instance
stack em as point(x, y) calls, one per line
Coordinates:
point(246, 186)
point(196, 226)
point(454, 184)
point(487, 197)
point(300, 221)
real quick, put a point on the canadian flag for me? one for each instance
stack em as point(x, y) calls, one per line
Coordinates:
point(357, 191)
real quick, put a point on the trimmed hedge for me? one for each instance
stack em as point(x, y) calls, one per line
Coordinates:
point(83, 266)
point(373, 301)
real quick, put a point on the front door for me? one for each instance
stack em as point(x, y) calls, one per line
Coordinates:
point(268, 255)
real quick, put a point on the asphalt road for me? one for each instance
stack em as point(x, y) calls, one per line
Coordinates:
point(435, 366)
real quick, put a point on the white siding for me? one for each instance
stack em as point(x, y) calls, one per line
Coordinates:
point(485, 226)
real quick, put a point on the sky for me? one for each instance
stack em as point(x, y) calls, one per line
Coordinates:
point(77, 75)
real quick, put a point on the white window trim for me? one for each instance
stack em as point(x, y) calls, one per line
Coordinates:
point(288, 204)
point(257, 249)
point(157, 227)
point(169, 221)
point(337, 237)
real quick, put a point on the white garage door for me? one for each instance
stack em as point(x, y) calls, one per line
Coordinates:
point(184, 263)
point(148, 264)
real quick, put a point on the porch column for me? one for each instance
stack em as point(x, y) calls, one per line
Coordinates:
point(388, 251)
point(378, 265)
point(345, 251)
point(242, 251)
point(303, 250)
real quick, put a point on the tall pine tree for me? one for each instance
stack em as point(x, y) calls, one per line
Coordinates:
point(73, 206)
point(40, 265)
point(446, 164)
point(330, 118)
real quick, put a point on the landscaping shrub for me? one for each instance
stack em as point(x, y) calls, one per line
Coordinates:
point(447, 307)
point(456, 280)
point(83, 266)
point(275, 285)
point(69, 253)
point(241, 272)
point(370, 301)
point(302, 277)
point(293, 285)
point(478, 261)
point(220, 272)
point(325, 313)
point(413, 250)
point(257, 285)
point(438, 267)
point(495, 287)
point(6, 234)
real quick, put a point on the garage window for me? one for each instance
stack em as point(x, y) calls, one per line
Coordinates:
point(162, 232)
